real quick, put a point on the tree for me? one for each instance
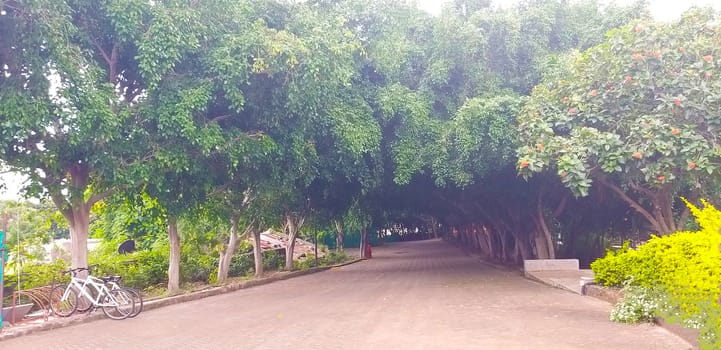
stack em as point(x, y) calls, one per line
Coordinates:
point(303, 100)
point(358, 218)
point(478, 140)
point(455, 127)
point(637, 114)
point(74, 75)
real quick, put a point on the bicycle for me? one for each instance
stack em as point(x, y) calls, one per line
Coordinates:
point(117, 304)
point(112, 282)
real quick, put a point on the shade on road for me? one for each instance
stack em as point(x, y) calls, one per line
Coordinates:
point(415, 295)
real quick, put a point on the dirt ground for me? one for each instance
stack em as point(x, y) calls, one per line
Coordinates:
point(414, 295)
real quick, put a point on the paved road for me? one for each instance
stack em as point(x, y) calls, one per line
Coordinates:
point(420, 295)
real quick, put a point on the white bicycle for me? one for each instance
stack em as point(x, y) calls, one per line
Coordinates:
point(117, 304)
point(114, 283)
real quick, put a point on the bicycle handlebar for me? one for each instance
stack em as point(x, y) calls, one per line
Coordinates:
point(78, 269)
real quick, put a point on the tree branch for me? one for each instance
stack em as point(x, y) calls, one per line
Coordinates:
point(102, 51)
point(219, 118)
point(641, 210)
point(63, 206)
point(561, 207)
point(643, 190)
point(99, 196)
point(113, 64)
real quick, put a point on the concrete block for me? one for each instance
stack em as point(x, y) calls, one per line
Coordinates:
point(550, 265)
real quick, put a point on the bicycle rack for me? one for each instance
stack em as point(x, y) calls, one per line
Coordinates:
point(40, 296)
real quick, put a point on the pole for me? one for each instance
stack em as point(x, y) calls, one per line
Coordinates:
point(2, 265)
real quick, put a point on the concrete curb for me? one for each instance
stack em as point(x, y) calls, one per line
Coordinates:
point(177, 299)
point(499, 266)
point(549, 283)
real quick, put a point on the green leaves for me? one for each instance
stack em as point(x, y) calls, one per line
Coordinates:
point(637, 105)
point(479, 139)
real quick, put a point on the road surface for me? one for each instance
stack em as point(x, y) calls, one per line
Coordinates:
point(414, 295)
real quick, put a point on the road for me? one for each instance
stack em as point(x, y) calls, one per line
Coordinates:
point(415, 295)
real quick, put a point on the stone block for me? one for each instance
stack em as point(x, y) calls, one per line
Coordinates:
point(550, 265)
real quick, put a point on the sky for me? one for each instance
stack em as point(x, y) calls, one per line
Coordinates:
point(12, 184)
point(663, 10)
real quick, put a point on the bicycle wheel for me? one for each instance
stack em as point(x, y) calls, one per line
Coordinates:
point(119, 304)
point(84, 304)
point(137, 299)
point(63, 300)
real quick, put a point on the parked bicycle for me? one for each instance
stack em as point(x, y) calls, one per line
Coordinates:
point(117, 304)
point(84, 304)
point(113, 283)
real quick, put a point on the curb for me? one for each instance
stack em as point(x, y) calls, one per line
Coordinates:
point(549, 283)
point(499, 266)
point(177, 299)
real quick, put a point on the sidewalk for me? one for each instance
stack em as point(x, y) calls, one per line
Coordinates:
point(571, 281)
point(39, 324)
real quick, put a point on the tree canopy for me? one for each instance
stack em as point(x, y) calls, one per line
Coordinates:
point(638, 114)
point(362, 113)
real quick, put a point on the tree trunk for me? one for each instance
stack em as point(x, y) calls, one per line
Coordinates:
point(76, 210)
point(542, 238)
point(257, 252)
point(79, 226)
point(434, 227)
point(545, 239)
point(503, 246)
point(338, 235)
point(487, 240)
point(363, 243)
point(476, 240)
point(293, 223)
point(229, 251)
point(174, 263)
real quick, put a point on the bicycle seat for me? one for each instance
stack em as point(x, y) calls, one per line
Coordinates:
point(110, 279)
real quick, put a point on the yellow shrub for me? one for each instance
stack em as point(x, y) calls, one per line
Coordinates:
point(684, 266)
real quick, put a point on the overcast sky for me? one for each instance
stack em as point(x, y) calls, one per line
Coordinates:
point(664, 10)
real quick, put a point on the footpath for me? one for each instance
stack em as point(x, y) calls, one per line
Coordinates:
point(565, 274)
point(37, 324)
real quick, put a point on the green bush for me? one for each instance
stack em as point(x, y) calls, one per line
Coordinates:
point(273, 260)
point(330, 258)
point(140, 269)
point(307, 263)
point(197, 266)
point(37, 275)
point(242, 265)
point(334, 257)
point(685, 267)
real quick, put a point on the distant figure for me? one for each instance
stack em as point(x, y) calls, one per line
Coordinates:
point(127, 247)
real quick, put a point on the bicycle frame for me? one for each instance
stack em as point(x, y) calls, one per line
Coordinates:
point(82, 287)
